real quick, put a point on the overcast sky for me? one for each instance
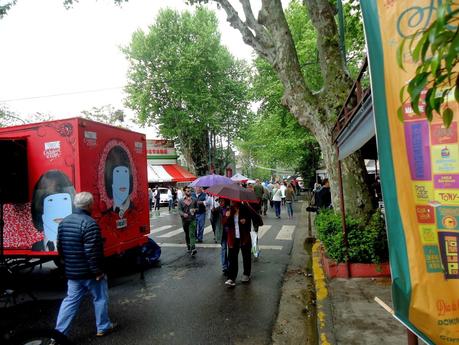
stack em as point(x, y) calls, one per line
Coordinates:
point(48, 50)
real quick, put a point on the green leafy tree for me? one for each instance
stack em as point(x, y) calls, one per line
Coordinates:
point(315, 106)
point(182, 79)
point(435, 50)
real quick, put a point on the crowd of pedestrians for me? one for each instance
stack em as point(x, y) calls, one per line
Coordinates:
point(233, 224)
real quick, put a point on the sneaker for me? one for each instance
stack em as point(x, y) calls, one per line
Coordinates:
point(108, 330)
point(193, 252)
point(245, 279)
point(230, 283)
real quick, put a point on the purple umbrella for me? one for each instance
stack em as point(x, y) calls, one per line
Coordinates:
point(210, 180)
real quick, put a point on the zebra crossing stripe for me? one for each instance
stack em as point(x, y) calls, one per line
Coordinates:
point(172, 233)
point(161, 228)
point(213, 245)
point(262, 230)
point(286, 233)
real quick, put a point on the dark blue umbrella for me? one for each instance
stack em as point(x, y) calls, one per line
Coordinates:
point(210, 180)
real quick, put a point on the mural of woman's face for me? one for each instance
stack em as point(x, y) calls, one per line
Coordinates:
point(120, 186)
point(55, 208)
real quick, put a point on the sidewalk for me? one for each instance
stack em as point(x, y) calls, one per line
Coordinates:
point(347, 313)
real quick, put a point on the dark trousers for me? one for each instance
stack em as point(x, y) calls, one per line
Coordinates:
point(277, 208)
point(233, 254)
point(265, 206)
point(157, 205)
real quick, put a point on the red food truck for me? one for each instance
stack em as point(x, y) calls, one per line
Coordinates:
point(45, 164)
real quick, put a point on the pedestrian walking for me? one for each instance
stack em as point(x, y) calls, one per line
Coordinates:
point(259, 191)
point(324, 195)
point(289, 199)
point(174, 197)
point(170, 198)
point(187, 208)
point(221, 234)
point(283, 188)
point(277, 199)
point(237, 221)
point(213, 212)
point(150, 198)
point(81, 247)
point(157, 196)
point(200, 214)
point(179, 195)
point(265, 200)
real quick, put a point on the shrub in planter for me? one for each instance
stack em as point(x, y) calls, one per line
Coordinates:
point(367, 240)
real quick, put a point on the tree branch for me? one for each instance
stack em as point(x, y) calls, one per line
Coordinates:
point(260, 44)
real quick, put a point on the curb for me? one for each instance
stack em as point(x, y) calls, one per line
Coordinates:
point(323, 303)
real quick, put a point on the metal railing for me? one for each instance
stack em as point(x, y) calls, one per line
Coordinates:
point(352, 104)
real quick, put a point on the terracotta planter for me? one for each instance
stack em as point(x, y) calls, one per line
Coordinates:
point(357, 270)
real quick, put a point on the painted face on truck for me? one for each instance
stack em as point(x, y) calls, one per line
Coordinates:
point(120, 186)
point(55, 208)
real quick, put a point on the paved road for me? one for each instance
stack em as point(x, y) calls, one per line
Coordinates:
point(185, 300)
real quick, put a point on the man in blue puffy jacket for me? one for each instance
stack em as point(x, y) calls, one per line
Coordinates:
point(79, 242)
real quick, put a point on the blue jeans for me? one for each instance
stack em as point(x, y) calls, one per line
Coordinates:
point(200, 222)
point(289, 208)
point(277, 208)
point(76, 290)
point(224, 254)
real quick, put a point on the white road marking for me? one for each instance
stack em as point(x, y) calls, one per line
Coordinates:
point(286, 232)
point(161, 228)
point(262, 230)
point(213, 245)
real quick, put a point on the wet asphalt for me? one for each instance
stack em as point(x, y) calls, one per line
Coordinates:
point(181, 301)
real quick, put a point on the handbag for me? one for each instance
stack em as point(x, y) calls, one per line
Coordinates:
point(255, 249)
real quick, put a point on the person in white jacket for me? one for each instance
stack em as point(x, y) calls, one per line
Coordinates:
point(277, 199)
point(170, 198)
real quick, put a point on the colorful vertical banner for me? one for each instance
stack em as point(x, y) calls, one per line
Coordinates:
point(419, 175)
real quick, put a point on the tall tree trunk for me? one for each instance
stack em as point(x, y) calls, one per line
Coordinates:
point(269, 35)
point(357, 196)
point(197, 152)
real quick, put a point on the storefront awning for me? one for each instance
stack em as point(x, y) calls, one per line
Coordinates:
point(359, 131)
point(168, 173)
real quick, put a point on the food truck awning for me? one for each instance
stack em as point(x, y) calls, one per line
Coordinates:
point(359, 130)
point(169, 173)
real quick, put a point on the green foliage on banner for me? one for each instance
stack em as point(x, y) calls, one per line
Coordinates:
point(436, 51)
point(367, 241)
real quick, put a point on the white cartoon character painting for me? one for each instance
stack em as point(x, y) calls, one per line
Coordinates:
point(55, 208)
point(118, 179)
point(51, 202)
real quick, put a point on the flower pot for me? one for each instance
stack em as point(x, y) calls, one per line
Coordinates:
point(357, 270)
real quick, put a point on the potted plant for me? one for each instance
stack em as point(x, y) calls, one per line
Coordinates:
point(368, 249)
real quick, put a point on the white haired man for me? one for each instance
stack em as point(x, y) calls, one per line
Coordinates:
point(79, 243)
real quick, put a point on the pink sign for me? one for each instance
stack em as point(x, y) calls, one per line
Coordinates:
point(446, 181)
